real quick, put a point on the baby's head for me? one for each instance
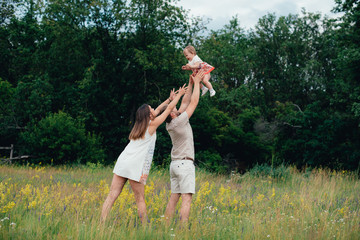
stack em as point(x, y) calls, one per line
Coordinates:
point(189, 52)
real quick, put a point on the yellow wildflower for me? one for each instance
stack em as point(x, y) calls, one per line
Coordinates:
point(260, 197)
point(32, 205)
point(7, 207)
point(273, 193)
point(27, 190)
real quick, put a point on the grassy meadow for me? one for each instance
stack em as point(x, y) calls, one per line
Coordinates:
point(65, 203)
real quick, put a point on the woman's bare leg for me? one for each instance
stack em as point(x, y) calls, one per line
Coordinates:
point(138, 189)
point(117, 185)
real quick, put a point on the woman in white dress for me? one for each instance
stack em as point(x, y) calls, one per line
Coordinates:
point(134, 162)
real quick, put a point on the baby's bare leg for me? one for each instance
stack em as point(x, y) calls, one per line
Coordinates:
point(206, 81)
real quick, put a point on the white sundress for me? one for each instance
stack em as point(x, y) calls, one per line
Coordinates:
point(203, 65)
point(135, 161)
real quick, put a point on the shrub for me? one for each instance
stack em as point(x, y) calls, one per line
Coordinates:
point(211, 161)
point(60, 139)
point(265, 170)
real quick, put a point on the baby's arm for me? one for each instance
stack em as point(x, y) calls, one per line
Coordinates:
point(195, 66)
point(191, 67)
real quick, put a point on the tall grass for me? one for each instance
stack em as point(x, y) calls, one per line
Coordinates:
point(65, 203)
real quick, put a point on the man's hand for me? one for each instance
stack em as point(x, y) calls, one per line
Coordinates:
point(199, 76)
point(188, 90)
point(182, 90)
point(191, 80)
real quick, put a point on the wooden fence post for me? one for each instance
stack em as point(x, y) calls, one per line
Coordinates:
point(11, 152)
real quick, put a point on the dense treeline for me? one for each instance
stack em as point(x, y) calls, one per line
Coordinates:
point(74, 72)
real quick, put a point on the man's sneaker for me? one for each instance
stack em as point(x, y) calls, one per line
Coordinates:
point(212, 93)
point(204, 91)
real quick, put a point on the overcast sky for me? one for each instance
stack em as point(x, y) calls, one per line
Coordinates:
point(249, 11)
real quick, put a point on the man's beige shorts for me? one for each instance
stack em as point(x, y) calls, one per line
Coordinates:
point(182, 176)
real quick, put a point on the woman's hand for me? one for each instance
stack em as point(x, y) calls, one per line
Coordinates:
point(172, 94)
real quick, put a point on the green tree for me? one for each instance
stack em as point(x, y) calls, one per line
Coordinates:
point(287, 64)
point(7, 11)
point(8, 122)
point(348, 61)
point(226, 49)
point(32, 99)
point(318, 137)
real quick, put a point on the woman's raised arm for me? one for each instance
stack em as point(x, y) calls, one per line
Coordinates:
point(160, 119)
point(166, 102)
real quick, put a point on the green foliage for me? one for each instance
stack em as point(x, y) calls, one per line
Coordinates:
point(6, 92)
point(227, 50)
point(211, 161)
point(60, 139)
point(7, 121)
point(284, 65)
point(287, 90)
point(7, 10)
point(233, 139)
point(356, 109)
point(23, 37)
point(266, 170)
point(94, 167)
point(320, 139)
point(33, 99)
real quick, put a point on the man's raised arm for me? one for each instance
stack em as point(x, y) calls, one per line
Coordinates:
point(196, 93)
point(187, 97)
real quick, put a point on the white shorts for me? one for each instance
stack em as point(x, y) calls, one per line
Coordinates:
point(182, 176)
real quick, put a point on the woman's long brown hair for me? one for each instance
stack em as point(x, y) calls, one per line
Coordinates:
point(142, 119)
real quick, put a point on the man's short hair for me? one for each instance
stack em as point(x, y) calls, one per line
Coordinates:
point(168, 118)
point(163, 109)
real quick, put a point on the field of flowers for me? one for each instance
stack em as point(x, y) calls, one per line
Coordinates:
point(65, 203)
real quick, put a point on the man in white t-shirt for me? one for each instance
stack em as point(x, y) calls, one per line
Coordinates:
point(182, 169)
